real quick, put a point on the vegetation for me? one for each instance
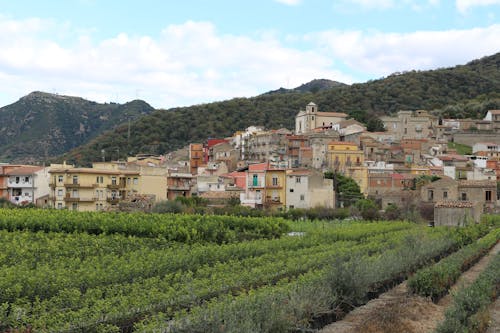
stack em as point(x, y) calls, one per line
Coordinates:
point(346, 189)
point(460, 148)
point(469, 312)
point(435, 281)
point(73, 121)
point(179, 228)
point(167, 130)
point(74, 272)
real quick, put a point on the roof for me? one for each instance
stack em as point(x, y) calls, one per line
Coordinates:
point(345, 143)
point(494, 111)
point(23, 171)
point(477, 183)
point(297, 172)
point(452, 158)
point(94, 171)
point(454, 204)
point(332, 114)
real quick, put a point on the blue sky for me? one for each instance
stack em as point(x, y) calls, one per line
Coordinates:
point(175, 53)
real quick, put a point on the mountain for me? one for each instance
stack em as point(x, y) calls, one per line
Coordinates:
point(461, 91)
point(42, 125)
point(313, 86)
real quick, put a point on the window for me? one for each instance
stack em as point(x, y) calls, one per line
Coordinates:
point(463, 196)
point(406, 131)
point(96, 206)
point(291, 190)
point(26, 179)
point(17, 180)
point(75, 180)
point(445, 195)
point(430, 195)
point(99, 179)
point(291, 206)
point(74, 206)
point(60, 193)
point(136, 181)
point(113, 180)
point(488, 195)
point(59, 205)
point(275, 181)
point(302, 197)
point(128, 181)
point(60, 179)
point(297, 179)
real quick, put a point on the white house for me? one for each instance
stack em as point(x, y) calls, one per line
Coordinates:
point(26, 184)
point(307, 189)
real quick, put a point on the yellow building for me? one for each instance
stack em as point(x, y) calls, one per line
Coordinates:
point(275, 189)
point(343, 155)
point(360, 176)
point(90, 189)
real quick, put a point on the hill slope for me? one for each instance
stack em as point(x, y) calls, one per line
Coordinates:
point(42, 125)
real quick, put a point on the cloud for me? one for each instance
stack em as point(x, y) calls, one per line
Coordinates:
point(464, 5)
point(380, 54)
point(184, 64)
point(289, 2)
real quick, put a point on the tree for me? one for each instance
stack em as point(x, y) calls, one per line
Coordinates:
point(347, 191)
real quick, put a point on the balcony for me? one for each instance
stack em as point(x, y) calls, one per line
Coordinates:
point(70, 198)
point(19, 184)
point(21, 199)
point(113, 186)
point(277, 185)
point(73, 184)
point(179, 187)
point(250, 200)
point(258, 183)
point(273, 200)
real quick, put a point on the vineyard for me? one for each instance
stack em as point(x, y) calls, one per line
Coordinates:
point(88, 272)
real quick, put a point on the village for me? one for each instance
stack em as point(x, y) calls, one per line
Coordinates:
point(452, 166)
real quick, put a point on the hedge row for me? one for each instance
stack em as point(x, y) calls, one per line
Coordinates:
point(434, 281)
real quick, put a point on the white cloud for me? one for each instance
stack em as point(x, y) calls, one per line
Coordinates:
point(380, 54)
point(289, 2)
point(185, 64)
point(464, 5)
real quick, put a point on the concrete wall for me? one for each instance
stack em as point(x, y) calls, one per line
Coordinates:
point(470, 139)
point(454, 216)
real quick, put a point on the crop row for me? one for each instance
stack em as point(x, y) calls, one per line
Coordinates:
point(119, 304)
point(43, 279)
point(434, 281)
point(469, 311)
point(179, 228)
point(290, 305)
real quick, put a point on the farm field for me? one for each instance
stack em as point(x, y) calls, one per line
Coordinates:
point(107, 272)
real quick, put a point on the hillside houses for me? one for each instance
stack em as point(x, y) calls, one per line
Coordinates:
point(279, 169)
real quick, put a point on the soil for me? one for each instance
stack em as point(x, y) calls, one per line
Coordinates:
point(396, 311)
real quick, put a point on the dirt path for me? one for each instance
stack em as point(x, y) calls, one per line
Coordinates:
point(396, 311)
point(495, 317)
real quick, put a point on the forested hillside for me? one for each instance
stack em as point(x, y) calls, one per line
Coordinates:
point(42, 125)
point(466, 90)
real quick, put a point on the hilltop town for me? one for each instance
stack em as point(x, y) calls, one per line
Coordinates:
point(420, 161)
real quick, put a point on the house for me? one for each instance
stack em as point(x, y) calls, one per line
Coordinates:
point(196, 158)
point(268, 145)
point(90, 189)
point(489, 147)
point(178, 184)
point(410, 124)
point(275, 189)
point(342, 155)
point(308, 189)
point(254, 195)
point(26, 184)
point(295, 151)
point(444, 189)
point(309, 119)
point(318, 142)
point(494, 117)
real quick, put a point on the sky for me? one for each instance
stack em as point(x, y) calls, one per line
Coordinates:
point(179, 53)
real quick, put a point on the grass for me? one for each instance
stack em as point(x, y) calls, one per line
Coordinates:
point(460, 148)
